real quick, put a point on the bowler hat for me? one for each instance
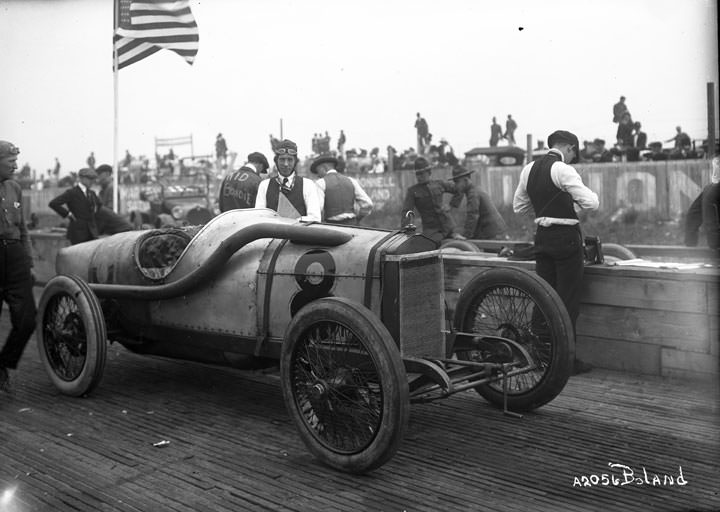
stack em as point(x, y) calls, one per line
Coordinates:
point(422, 165)
point(460, 171)
point(258, 158)
point(322, 160)
point(86, 172)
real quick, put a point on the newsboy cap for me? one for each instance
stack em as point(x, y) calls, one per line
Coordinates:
point(258, 158)
point(8, 148)
point(86, 172)
point(563, 136)
point(322, 160)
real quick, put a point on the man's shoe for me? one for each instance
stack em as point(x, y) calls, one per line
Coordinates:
point(5, 380)
point(581, 367)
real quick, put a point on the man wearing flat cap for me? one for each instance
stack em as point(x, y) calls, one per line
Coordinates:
point(345, 200)
point(239, 188)
point(16, 279)
point(482, 219)
point(554, 191)
point(80, 205)
point(287, 193)
point(426, 196)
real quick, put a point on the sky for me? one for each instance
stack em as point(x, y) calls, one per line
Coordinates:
point(363, 66)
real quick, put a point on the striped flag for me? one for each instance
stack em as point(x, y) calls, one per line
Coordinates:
point(146, 26)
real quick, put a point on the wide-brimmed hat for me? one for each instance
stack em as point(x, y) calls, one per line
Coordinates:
point(322, 160)
point(422, 165)
point(460, 171)
point(86, 172)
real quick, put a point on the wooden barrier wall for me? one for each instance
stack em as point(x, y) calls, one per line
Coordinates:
point(651, 321)
point(663, 190)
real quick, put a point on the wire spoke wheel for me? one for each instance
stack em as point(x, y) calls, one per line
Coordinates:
point(515, 304)
point(72, 339)
point(64, 332)
point(340, 402)
point(344, 385)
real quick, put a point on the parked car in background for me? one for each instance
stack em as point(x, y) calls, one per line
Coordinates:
point(174, 205)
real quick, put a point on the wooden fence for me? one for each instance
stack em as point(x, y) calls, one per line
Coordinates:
point(662, 190)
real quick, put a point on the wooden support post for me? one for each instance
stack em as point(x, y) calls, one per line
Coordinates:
point(711, 148)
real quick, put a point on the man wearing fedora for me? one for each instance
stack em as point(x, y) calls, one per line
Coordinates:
point(345, 200)
point(426, 196)
point(239, 188)
point(554, 191)
point(482, 219)
point(287, 193)
point(80, 204)
point(16, 279)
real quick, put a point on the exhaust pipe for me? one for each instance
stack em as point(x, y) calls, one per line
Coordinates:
point(303, 234)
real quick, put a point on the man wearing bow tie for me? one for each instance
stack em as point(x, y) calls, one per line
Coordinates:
point(289, 194)
point(80, 204)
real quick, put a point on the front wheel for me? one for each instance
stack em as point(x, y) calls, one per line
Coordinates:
point(344, 385)
point(71, 335)
point(518, 305)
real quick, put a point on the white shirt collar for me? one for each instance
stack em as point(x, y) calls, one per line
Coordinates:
point(557, 152)
point(82, 187)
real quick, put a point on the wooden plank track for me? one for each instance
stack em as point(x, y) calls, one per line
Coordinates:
point(233, 447)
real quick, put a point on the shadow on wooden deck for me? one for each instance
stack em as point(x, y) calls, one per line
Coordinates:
point(232, 447)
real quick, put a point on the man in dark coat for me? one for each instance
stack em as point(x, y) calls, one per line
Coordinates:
point(482, 220)
point(80, 204)
point(426, 196)
point(705, 211)
point(239, 188)
point(16, 280)
point(108, 221)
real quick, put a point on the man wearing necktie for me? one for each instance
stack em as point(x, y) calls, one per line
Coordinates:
point(289, 194)
point(80, 205)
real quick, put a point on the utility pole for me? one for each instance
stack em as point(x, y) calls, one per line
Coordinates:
point(281, 130)
point(711, 148)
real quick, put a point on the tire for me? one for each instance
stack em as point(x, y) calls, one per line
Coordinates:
point(616, 252)
point(71, 335)
point(517, 304)
point(462, 245)
point(351, 409)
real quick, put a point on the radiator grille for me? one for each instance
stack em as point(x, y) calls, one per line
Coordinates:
point(420, 308)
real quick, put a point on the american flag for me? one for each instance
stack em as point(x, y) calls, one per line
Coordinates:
point(146, 26)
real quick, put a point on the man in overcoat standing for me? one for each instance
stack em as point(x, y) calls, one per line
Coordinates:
point(80, 205)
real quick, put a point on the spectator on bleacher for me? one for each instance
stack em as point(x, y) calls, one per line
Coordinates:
point(681, 139)
point(221, 151)
point(625, 132)
point(640, 136)
point(495, 133)
point(510, 127)
point(423, 130)
point(619, 109)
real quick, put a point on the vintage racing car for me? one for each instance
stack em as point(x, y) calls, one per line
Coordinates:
point(355, 317)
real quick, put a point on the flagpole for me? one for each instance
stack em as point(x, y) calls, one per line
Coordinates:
point(116, 86)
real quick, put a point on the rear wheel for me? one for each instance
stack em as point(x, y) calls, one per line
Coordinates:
point(616, 252)
point(516, 304)
point(71, 335)
point(344, 385)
